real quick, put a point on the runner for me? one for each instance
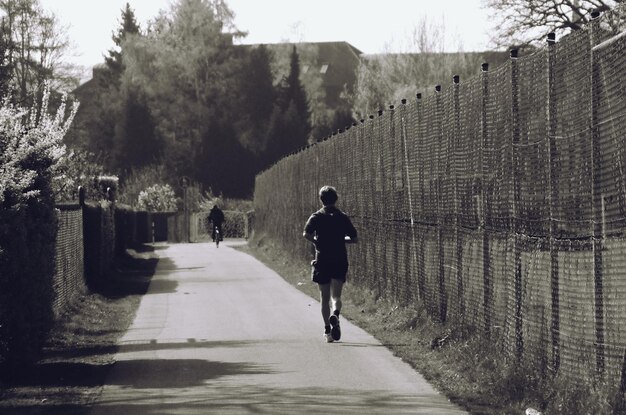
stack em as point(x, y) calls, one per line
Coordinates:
point(328, 230)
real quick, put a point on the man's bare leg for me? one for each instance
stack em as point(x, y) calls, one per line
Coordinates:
point(335, 292)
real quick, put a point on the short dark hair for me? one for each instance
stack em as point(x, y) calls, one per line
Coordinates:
point(328, 195)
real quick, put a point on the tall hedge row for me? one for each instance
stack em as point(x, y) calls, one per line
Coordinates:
point(28, 233)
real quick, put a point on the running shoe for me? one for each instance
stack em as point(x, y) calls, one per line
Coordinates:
point(335, 331)
point(328, 337)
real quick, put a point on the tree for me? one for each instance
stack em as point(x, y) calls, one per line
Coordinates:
point(134, 143)
point(36, 44)
point(290, 121)
point(77, 168)
point(257, 96)
point(30, 152)
point(187, 69)
point(116, 124)
point(386, 79)
point(128, 26)
point(522, 22)
point(293, 91)
point(5, 66)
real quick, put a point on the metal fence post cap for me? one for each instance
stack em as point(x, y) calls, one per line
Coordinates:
point(438, 88)
point(551, 38)
point(403, 101)
point(456, 79)
point(513, 53)
point(418, 96)
point(484, 67)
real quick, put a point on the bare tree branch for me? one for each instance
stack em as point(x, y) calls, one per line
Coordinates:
point(522, 22)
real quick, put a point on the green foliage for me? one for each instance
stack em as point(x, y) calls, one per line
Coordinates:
point(6, 66)
point(30, 151)
point(289, 125)
point(31, 148)
point(140, 179)
point(157, 198)
point(78, 168)
point(323, 119)
point(257, 97)
point(186, 69)
point(106, 186)
point(128, 26)
point(35, 42)
point(135, 143)
point(386, 79)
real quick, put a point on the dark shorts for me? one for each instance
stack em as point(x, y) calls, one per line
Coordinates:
point(322, 273)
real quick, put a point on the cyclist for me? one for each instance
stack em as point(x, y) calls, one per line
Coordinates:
point(216, 217)
point(327, 229)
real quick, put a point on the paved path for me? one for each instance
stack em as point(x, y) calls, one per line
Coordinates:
point(220, 333)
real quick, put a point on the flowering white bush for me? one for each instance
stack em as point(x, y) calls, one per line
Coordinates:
point(30, 146)
point(157, 198)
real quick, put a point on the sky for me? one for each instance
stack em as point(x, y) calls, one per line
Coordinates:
point(370, 26)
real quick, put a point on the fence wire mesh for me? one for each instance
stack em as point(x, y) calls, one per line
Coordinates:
point(498, 202)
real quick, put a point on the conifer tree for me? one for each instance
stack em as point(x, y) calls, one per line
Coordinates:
point(127, 27)
point(290, 124)
point(295, 92)
point(257, 97)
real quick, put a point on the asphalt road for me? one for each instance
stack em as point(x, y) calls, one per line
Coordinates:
point(220, 333)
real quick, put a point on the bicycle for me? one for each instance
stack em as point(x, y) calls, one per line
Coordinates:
point(218, 235)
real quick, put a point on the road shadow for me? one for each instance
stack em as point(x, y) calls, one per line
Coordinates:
point(133, 274)
point(95, 350)
point(224, 399)
point(204, 393)
point(137, 374)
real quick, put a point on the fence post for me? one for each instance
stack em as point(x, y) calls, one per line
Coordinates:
point(553, 190)
point(487, 291)
point(421, 266)
point(596, 209)
point(443, 299)
point(412, 251)
point(455, 174)
point(383, 196)
point(81, 195)
point(514, 220)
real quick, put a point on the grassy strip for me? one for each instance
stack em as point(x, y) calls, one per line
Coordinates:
point(472, 371)
point(81, 347)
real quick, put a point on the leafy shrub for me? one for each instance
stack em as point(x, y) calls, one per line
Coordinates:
point(157, 198)
point(104, 184)
point(30, 150)
point(138, 180)
point(78, 168)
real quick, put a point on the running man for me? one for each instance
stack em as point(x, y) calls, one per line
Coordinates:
point(329, 229)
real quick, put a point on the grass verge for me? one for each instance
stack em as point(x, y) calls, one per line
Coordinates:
point(470, 370)
point(81, 347)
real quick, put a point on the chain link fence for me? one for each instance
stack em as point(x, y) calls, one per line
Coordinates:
point(498, 202)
